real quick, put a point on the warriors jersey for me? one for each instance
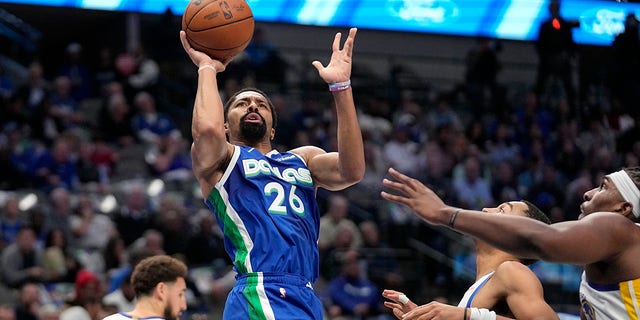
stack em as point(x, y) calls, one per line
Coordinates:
point(266, 208)
point(124, 316)
point(473, 290)
point(614, 301)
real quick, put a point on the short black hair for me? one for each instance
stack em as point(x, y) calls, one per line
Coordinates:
point(534, 212)
point(274, 115)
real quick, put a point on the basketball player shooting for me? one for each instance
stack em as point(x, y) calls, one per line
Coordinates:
point(264, 200)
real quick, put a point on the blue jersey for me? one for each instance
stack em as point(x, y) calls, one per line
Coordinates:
point(266, 208)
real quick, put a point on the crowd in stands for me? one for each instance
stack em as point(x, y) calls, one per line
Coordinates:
point(108, 162)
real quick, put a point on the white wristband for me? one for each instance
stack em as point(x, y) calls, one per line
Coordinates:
point(206, 66)
point(481, 314)
point(339, 86)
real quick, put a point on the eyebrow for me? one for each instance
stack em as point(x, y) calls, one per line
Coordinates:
point(510, 205)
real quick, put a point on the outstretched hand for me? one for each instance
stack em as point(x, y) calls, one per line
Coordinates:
point(399, 308)
point(339, 68)
point(416, 196)
point(200, 58)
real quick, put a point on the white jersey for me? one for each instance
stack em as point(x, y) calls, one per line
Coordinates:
point(125, 316)
point(473, 290)
point(612, 301)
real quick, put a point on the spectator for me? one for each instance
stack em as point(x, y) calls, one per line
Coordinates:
point(206, 245)
point(472, 189)
point(77, 71)
point(58, 259)
point(59, 215)
point(151, 126)
point(556, 49)
point(29, 302)
point(48, 312)
point(265, 60)
point(172, 223)
point(330, 262)
point(504, 186)
point(33, 96)
point(64, 109)
point(145, 74)
point(335, 218)
point(91, 229)
point(381, 263)
point(119, 275)
point(114, 255)
point(134, 217)
point(482, 67)
point(57, 168)
point(124, 298)
point(86, 302)
point(8, 313)
point(23, 261)
point(152, 241)
point(116, 120)
point(10, 221)
point(351, 295)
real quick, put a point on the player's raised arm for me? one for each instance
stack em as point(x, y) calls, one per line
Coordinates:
point(210, 147)
point(560, 242)
point(338, 170)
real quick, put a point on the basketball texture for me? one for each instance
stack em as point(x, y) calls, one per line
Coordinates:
point(219, 28)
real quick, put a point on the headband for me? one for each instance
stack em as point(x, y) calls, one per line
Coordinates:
point(627, 189)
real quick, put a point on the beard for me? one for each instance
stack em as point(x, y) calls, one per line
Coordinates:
point(252, 132)
point(168, 313)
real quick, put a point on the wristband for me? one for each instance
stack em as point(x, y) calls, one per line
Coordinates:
point(482, 314)
point(339, 86)
point(206, 66)
point(453, 217)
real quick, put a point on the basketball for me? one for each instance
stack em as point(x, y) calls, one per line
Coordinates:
point(219, 28)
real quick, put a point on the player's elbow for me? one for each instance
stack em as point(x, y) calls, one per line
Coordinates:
point(353, 175)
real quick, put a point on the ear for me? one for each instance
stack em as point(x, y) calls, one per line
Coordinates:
point(626, 209)
point(272, 134)
point(226, 127)
point(161, 289)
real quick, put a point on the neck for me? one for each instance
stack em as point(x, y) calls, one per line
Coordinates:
point(148, 307)
point(488, 259)
point(263, 146)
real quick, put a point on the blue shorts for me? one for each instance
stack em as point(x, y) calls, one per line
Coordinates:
point(258, 296)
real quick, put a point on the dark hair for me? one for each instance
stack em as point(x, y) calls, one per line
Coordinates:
point(153, 270)
point(534, 212)
point(274, 115)
point(48, 242)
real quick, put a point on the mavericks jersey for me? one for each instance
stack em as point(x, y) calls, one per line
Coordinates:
point(266, 208)
point(614, 301)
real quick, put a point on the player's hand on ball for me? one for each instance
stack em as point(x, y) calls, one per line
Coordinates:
point(200, 58)
point(339, 68)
